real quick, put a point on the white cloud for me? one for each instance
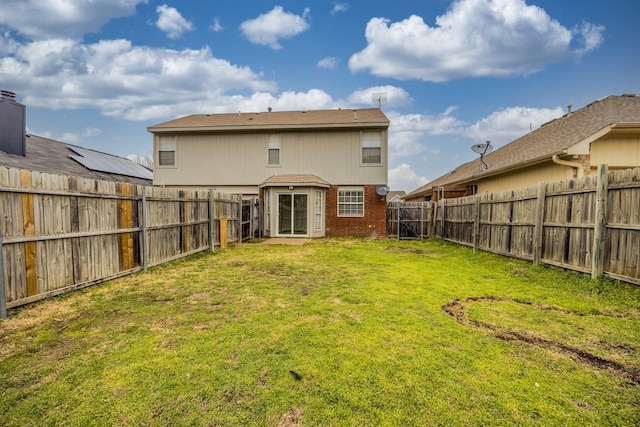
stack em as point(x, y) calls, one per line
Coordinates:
point(339, 7)
point(329, 63)
point(314, 99)
point(120, 80)
point(408, 134)
point(473, 38)
point(43, 19)
point(591, 36)
point(404, 178)
point(503, 126)
point(216, 27)
point(69, 138)
point(91, 132)
point(171, 22)
point(395, 96)
point(269, 28)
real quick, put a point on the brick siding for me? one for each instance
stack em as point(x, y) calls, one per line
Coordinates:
point(372, 224)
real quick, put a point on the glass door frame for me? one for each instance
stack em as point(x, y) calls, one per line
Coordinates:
point(293, 219)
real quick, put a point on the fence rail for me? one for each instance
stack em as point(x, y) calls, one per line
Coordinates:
point(409, 220)
point(590, 225)
point(60, 233)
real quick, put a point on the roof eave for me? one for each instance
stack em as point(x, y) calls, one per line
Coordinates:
point(249, 128)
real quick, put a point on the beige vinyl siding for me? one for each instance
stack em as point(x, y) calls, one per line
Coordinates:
point(617, 151)
point(523, 178)
point(241, 160)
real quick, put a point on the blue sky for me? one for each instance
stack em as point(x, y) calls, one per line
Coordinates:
point(96, 73)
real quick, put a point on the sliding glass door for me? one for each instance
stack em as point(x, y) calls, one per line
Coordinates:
point(292, 214)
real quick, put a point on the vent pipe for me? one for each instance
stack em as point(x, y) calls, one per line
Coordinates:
point(5, 94)
point(13, 125)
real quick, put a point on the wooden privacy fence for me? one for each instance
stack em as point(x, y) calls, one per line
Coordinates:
point(409, 220)
point(60, 233)
point(590, 225)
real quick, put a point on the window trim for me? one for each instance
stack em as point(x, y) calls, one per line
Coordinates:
point(351, 212)
point(174, 143)
point(369, 142)
point(274, 142)
point(318, 210)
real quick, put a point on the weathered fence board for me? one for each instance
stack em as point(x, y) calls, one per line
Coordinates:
point(63, 233)
point(570, 223)
point(409, 220)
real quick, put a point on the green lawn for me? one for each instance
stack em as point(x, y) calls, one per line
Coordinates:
point(340, 332)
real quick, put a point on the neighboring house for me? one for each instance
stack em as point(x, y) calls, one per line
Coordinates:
point(320, 173)
point(606, 131)
point(34, 153)
point(395, 196)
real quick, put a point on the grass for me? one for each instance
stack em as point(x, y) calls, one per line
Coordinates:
point(340, 332)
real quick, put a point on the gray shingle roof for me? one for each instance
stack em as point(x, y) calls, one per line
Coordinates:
point(549, 139)
point(55, 157)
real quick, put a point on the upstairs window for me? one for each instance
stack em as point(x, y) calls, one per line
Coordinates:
point(167, 150)
point(273, 155)
point(371, 147)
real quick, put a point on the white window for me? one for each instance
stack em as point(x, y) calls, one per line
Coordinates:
point(371, 147)
point(351, 202)
point(167, 150)
point(273, 154)
point(267, 209)
point(317, 214)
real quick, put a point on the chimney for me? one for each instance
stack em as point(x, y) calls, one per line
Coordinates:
point(13, 125)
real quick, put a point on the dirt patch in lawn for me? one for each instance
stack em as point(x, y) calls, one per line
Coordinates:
point(458, 310)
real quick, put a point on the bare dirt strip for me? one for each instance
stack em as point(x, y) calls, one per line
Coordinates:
point(457, 309)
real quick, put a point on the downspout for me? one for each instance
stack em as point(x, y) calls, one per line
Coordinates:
point(577, 166)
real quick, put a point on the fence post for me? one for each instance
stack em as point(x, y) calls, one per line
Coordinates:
point(3, 293)
point(240, 218)
point(145, 238)
point(444, 219)
point(476, 222)
point(597, 264)
point(421, 220)
point(398, 212)
point(212, 242)
point(539, 223)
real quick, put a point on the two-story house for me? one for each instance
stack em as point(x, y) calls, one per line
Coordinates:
point(319, 173)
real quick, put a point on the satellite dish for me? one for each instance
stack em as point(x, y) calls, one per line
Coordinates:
point(382, 190)
point(379, 99)
point(482, 148)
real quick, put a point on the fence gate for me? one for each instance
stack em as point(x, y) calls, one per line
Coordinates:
point(251, 219)
point(409, 220)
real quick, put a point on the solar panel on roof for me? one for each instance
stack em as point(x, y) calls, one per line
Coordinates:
point(108, 163)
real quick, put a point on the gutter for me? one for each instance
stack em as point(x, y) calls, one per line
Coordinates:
point(578, 167)
point(262, 127)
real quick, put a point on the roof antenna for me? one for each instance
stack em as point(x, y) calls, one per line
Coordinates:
point(483, 149)
point(379, 99)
